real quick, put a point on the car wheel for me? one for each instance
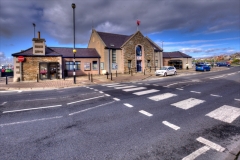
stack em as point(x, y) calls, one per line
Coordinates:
point(165, 74)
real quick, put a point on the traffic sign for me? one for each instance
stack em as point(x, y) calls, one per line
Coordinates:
point(20, 58)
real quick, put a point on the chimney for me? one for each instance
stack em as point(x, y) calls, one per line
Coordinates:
point(38, 35)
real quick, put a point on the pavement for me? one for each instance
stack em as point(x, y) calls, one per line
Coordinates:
point(84, 80)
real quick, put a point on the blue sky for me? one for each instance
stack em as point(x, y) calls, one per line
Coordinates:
point(198, 28)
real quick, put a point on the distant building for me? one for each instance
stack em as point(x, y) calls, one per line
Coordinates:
point(177, 59)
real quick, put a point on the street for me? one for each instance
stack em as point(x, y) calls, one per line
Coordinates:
point(195, 116)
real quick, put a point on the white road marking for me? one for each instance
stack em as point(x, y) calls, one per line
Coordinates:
point(107, 95)
point(19, 91)
point(95, 89)
point(38, 99)
point(237, 99)
point(195, 92)
point(162, 96)
point(116, 99)
point(110, 84)
point(155, 85)
point(171, 125)
point(125, 87)
point(128, 105)
point(217, 77)
point(10, 91)
point(29, 109)
point(188, 103)
point(145, 113)
point(85, 100)
point(179, 89)
point(116, 85)
point(145, 92)
point(211, 144)
point(134, 89)
point(170, 84)
point(90, 108)
point(35, 120)
point(147, 84)
point(3, 103)
point(214, 95)
point(231, 74)
point(196, 153)
point(225, 113)
point(100, 91)
point(90, 88)
point(139, 83)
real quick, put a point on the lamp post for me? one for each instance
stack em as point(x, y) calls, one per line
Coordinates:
point(74, 50)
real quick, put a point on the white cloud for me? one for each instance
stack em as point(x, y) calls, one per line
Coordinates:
point(191, 50)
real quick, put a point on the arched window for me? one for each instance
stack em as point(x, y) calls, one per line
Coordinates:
point(139, 50)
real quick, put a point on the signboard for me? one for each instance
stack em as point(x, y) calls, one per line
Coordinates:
point(114, 66)
point(87, 66)
point(20, 58)
point(139, 57)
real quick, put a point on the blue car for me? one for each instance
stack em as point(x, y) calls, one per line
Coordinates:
point(202, 67)
point(227, 64)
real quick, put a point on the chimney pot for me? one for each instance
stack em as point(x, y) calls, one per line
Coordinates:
point(38, 35)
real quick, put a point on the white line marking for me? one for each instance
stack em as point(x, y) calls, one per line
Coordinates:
point(179, 89)
point(145, 113)
point(115, 86)
point(95, 89)
point(155, 85)
point(85, 100)
point(10, 91)
point(125, 87)
point(107, 95)
point(35, 120)
point(3, 103)
point(90, 108)
point(37, 99)
point(237, 99)
point(145, 92)
point(134, 89)
point(90, 88)
point(162, 96)
point(231, 74)
point(188, 103)
point(211, 144)
point(171, 125)
point(19, 91)
point(214, 95)
point(217, 77)
point(195, 92)
point(116, 99)
point(100, 92)
point(196, 153)
point(29, 109)
point(147, 84)
point(170, 84)
point(128, 105)
point(225, 113)
point(110, 84)
point(139, 83)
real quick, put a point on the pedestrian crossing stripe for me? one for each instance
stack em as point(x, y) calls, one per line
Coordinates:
point(124, 87)
point(146, 92)
point(225, 113)
point(115, 85)
point(188, 103)
point(110, 84)
point(134, 89)
point(162, 96)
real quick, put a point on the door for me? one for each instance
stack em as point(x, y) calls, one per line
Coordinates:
point(53, 70)
point(139, 66)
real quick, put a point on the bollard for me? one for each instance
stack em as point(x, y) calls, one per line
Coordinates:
point(116, 73)
point(155, 68)
point(131, 73)
point(111, 76)
point(129, 70)
point(37, 77)
point(91, 78)
point(64, 77)
point(107, 75)
point(150, 69)
point(6, 80)
point(144, 71)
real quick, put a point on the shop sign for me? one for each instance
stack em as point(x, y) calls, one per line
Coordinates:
point(87, 66)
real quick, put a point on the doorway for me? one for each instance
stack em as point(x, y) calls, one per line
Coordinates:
point(139, 66)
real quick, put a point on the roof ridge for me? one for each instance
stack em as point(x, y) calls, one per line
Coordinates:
point(113, 33)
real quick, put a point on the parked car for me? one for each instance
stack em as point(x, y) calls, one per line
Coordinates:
point(166, 70)
point(203, 67)
point(227, 64)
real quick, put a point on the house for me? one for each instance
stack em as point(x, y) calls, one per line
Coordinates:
point(177, 59)
point(125, 52)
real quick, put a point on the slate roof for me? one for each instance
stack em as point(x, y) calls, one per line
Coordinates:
point(175, 54)
point(155, 46)
point(61, 51)
point(113, 41)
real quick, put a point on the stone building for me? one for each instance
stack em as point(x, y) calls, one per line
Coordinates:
point(125, 52)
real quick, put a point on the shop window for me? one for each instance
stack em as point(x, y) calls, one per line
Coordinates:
point(70, 66)
point(43, 71)
point(114, 56)
point(94, 65)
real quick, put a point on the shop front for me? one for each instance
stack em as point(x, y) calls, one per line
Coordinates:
point(49, 70)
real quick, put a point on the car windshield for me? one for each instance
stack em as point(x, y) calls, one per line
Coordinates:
point(164, 68)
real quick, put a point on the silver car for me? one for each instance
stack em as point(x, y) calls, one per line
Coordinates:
point(166, 70)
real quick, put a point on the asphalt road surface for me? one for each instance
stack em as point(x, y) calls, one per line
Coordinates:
point(174, 117)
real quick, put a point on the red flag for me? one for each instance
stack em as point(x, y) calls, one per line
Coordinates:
point(138, 22)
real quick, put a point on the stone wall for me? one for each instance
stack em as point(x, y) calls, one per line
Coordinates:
point(31, 66)
point(129, 52)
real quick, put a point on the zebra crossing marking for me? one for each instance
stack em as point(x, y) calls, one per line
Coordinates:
point(116, 99)
point(179, 89)
point(134, 89)
point(225, 113)
point(196, 153)
point(146, 92)
point(118, 85)
point(110, 84)
point(124, 87)
point(171, 125)
point(162, 96)
point(145, 113)
point(211, 144)
point(188, 103)
point(128, 105)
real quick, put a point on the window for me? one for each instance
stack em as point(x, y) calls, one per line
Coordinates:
point(70, 66)
point(156, 63)
point(114, 56)
point(139, 51)
point(94, 65)
point(148, 63)
point(102, 65)
point(129, 63)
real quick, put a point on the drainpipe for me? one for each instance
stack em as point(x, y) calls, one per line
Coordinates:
point(109, 60)
point(99, 66)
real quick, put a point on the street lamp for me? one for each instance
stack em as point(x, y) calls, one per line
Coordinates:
point(74, 50)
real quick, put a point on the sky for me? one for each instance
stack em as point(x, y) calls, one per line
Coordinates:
point(199, 28)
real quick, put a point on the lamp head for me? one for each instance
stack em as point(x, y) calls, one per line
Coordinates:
point(74, 51)
point(73, 5)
